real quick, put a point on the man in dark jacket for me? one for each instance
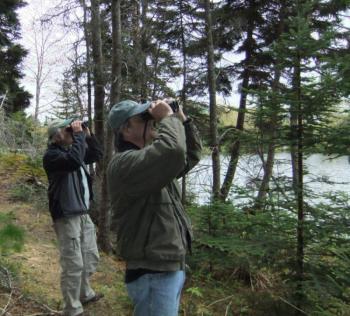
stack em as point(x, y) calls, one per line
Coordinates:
point(71, 147)
point(152, 228)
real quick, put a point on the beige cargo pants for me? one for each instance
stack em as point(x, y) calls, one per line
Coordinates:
point(78, 258)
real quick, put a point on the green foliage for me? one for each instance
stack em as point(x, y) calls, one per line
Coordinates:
point(11, 236)
point(70, 101)
point(230, 239)
point(196, 291)
point(11, 56)
point(259, 251)
point(337, 140)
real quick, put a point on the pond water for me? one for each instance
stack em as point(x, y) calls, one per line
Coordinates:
point(324, 174)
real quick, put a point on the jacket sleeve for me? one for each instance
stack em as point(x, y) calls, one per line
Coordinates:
point(94, 150)
point(58, 160)
point(151, 168)
point(193, 146)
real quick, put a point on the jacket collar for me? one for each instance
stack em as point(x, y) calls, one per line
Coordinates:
point(54, 145)
point(127, 146)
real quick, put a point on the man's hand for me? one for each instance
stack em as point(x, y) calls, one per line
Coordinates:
point(86, 130)
point(76, 126)
point(159, 110)
point(181, 115)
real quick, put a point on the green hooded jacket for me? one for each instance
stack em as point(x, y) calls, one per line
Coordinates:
point(152, 229)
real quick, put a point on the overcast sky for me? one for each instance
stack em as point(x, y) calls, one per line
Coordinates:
point(57, 50)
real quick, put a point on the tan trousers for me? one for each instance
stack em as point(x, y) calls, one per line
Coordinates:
point(78, 258)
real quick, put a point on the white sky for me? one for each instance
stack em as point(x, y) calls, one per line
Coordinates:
point(57, 50)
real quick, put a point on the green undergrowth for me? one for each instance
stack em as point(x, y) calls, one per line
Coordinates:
point(243, 261)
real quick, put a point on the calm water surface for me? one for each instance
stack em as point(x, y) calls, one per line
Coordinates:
point(324, 174)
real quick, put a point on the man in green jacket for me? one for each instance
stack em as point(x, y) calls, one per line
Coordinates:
point(152, 229)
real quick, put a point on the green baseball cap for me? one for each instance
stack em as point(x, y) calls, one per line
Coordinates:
point(123, 110)
point(55, 125)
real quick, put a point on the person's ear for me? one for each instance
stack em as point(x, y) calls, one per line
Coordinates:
point(125, 131)
point(58, 137)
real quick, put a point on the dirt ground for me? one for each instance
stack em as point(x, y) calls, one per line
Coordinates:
point(36, 286)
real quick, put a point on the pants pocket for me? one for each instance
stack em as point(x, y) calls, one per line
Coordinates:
point(89, 247)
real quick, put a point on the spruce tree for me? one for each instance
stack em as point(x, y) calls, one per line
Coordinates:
point(11, 58)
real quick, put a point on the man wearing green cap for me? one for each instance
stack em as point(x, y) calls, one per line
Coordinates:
point(152, 229)
point(71, 147)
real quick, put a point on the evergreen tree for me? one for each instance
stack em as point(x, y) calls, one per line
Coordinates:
point(304, 51)
point(69, 103)
point(11, 57)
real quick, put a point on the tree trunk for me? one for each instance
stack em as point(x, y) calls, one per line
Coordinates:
point(103, 238)
point(155, 72)
point(184, 87)
point(136, 34)
point(37, 99)
point(99, 83)
point(88, 62)
point(231, 170)
point(76, 82)
point(212, 103)
point(299, 184)
point(139, 82)
point(273, 125)
point(143, 69)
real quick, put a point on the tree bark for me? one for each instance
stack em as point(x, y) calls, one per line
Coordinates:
point(76, 82)
point(273, 124)
point(235, 149)
point(88, 62)
point(99, 82)
point(136, 34)
point(184, 88)
point(143, 69)
point(103, 238)
point(299, 183)
point(212, 103)
point(139, 82)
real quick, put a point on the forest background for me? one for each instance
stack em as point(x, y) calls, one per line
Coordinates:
point(257, 77)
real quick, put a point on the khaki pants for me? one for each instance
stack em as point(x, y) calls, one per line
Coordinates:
point(78, 258)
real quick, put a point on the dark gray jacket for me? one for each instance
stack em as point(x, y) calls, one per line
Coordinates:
point(62, 167)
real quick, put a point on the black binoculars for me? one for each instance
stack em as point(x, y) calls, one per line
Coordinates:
point(84, 124)
point(173, 104)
